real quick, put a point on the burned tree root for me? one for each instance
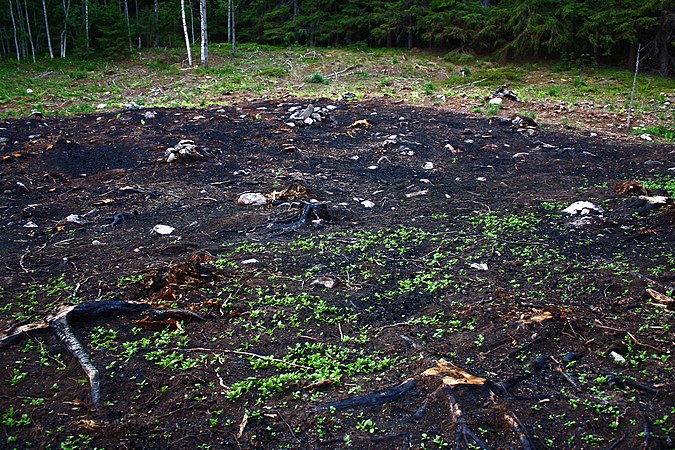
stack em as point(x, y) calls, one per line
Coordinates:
point(59, 324)
point(374, 399)
point(454, 383)
point(310, 212)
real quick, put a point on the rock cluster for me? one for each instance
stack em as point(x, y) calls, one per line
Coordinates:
point(185, 148)
point(302, 117)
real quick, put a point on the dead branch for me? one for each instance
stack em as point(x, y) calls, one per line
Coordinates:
point(469, 84)
point(236, 352)
point(335, 74)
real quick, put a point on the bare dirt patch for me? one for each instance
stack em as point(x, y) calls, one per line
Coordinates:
point(439, 274)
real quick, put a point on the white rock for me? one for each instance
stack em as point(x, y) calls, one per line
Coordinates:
point(428, 165)
point(149, 115)
point(252, 198)
point(101, 105)
point(97, 243)
point(496, 101)
point(582, 207)
point(368, 204)
point(655, 199)
point(250, 261)
point(163, 229)
point(171, 158)
point(479, 266)
point(29, 91)
point(308, 121)
point(646, 137)
point(74, 218)
point(324, 281)
point(198, 117)
point(307, 113)
point(372, 167)
point(30, 224)
point(481, 179)
point(520, 155)
point(617, 358)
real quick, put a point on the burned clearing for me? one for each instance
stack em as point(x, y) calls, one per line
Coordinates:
point(360, 274)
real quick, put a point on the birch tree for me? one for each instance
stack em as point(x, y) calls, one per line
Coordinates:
point(185, 32)
point(233, 28)
point(86, 23)
point(49, 38)
point(16, 39)
point(205, 35)
point(126, 15)
point(64, 32)
point(30, 34)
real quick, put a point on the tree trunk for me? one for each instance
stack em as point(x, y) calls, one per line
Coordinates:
point(192, 23)
point(229, 20)
point(126, 14)
point(663, 41)
point(632, 57)
point(185, 33)
point(16, 39)
point(86, 23)
point(155, 12)
point(204, 33)
point(49, 38)
point(21, 31)
point(64, 32)
point(296, 8)
point(234, 28)
point(30, 34)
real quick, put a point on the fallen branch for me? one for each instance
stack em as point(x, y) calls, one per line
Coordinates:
point(468, 84)
point(335, 74)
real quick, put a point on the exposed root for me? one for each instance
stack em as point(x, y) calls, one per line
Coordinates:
point(457, 387)
point(59, 324)
point(65, 334)
point(310, 212)
point(464, 436)
point(520, 431)
point(374, 399)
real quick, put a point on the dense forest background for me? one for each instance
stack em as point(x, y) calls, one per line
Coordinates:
point(593, 31)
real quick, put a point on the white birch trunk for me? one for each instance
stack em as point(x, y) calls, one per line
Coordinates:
point(185, 32)
point(30, 34)
point(193, 39)
point(16, 39)
point(234, 39)
point(205, 34)
point(49, 38)
point(229, 21)
point(155, 10)
point(126, 14)
point(64, 32)
point(86, 23)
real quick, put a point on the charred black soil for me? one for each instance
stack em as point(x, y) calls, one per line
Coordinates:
point(411, 253)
